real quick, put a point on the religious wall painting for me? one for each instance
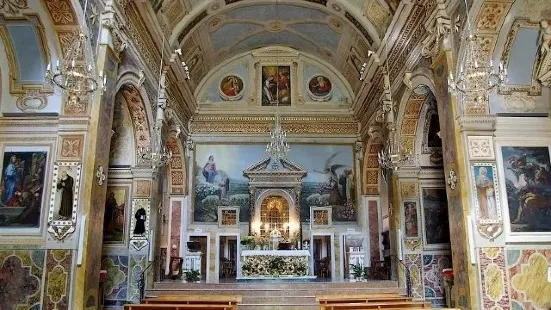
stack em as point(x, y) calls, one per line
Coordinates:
point(139, 226)
point(527, 186)
point(231, 87)
point(410, 219)
point(276, 86)
point(320, 88)
point(22, 186)
point(486, 193)
point(219, 179)
point(321, 217)
point(62, 214)
point(114, 220)
point(435, 217)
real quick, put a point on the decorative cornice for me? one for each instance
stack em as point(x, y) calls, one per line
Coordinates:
point(476, 122)
point(261, 124)
point(522, 126)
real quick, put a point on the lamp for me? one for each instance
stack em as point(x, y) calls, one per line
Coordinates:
point(74, 74)
point(278, 147)
point(476, 77)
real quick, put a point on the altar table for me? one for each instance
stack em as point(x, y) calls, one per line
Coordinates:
point(275, 263)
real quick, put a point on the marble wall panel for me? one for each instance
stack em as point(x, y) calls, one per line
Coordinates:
point(495, 292)
point(415, 266)
point(21, 274)
point(433, 264)
point(115, 288)
point(374, 234)
point(530, 289)
point(58, 278)
point(136, 267)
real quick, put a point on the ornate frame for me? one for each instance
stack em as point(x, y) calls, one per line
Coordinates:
point(329, 215)
point(140, 241)
point(533, 89)
point(221, 211)
point(496, 188)
point(432, 246)
point(237, 97)
point(59, 229)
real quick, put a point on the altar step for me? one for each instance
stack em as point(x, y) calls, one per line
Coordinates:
point(275, 296)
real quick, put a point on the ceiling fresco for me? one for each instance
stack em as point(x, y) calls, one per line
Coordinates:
point(326, 29)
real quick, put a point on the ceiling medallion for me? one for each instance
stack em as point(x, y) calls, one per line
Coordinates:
point(275, 26)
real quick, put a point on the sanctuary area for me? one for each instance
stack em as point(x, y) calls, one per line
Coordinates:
point(275, 154)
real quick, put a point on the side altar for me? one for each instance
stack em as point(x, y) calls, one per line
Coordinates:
point(274, 263)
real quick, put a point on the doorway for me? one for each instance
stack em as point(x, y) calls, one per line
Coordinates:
point(353, 253)
point(203, 241)
point(322, 256)
point(227, 258)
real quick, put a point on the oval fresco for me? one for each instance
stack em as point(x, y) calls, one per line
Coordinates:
point(320, 88)
point(231, 87)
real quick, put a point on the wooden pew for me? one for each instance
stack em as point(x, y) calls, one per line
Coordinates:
point(362, 298)
point(228, 300)
point(377, 305)
point(176, 307)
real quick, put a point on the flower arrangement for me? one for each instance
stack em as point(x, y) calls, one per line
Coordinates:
point(192, 275)
point(275, 266)
point(247, 240)
point(447, 275)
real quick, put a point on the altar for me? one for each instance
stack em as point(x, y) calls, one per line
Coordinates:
point(274, 263)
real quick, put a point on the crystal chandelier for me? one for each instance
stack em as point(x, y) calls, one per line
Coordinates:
point(278, 146)
point(392, 156)
point(74, 74)
point(476, 77)
point(157, 154)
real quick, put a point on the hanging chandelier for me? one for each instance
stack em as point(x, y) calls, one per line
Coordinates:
point(74, 74)
point(157, 154)
point(278, 147)
point(476, 77)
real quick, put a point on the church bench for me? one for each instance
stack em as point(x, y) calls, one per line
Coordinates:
point(229, 300)
point(377, 305)
point(353, 298)
point(178, 307)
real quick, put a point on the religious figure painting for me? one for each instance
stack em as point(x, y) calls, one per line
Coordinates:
point(276, 85)
point(231, 87)
point(320, 88)
point(486, 193)
point(410, 219)
point(139, 218)
point(114, 218)
point(219, 180)
point(22, 187)
point(527, 183)
point(64, 196)
point(435, 216)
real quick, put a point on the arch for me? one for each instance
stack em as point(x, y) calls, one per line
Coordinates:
point(294, 220)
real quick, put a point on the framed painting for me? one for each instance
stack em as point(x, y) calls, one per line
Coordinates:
point(22, 186)
point(231, 87)
point(114, 220)
point(276, 86)
point(486, 193)
point(64, 194)
point(436, 225)
point(321, 217)
point(527, 187)
point(411, 220)
point(320, 88)
point(228, 216)
point(139, 223)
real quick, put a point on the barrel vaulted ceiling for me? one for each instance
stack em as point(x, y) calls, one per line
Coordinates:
point(337, 31)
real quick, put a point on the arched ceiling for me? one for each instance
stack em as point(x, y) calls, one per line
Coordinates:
point(210, 32)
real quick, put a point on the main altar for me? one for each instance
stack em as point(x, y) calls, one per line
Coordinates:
point(275, 221)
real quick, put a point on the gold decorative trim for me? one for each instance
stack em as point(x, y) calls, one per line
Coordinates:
point(490, 231)
point(412, 243)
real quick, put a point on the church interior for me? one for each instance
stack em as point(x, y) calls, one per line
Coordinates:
point(275, 150)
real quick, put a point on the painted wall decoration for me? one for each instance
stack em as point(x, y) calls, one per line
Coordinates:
point(115, 288)
point(528, 278)
point(527, 180)
point(219, 179)
point(276, 85)
point(139, 222)
point(432, 275)
point(22, 186)
point(486, 193)
point(410, 219)
point(435, 217)
point(64, 195)
point(58, 279)
point(495, 287)
point(21, 274)
point(231, 87)
point(115, 218)
point(320, 88)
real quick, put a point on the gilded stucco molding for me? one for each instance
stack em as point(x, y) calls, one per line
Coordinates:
point(476, 122)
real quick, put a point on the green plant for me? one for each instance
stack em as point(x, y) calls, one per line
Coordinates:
point(357, 271)
point(192, 275)
point(247, 240)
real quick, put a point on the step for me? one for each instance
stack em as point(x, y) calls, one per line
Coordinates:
point(278, 307)
point(281, 300)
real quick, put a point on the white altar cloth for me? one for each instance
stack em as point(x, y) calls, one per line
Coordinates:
point(275, 253)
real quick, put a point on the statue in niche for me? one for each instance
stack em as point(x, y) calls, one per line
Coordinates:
point(140, 216)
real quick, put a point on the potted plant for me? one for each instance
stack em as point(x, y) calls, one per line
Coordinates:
point(447, 277)
point(357, 272)
point(192, 276)
point(247, 242)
